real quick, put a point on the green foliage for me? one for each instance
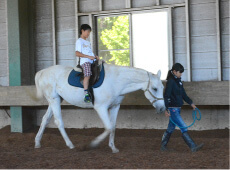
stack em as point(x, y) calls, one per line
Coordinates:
point(114, 34)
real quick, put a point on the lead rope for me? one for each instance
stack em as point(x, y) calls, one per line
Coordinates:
point(194, 115)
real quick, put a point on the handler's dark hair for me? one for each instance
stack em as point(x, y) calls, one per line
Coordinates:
point(85, 27)
point(176, 67)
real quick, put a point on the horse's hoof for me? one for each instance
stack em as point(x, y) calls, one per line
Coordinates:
point(115, 150)
point(93, 145)
point(37, 146)
point(85, 148)
point(71, 146)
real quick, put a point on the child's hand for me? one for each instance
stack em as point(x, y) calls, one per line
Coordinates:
point(91, 57)
point(97, 57)
point(193, 106)
point(167, 114)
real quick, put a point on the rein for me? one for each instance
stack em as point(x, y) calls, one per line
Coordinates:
point(147, 90)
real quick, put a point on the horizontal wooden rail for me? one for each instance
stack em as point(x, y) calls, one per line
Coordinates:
point(202, 93)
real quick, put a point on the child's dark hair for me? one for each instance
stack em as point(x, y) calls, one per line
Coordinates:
point(85, 27)
point(176, 67)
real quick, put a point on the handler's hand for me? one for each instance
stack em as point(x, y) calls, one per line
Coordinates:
point(167, 114)
point(193, 106)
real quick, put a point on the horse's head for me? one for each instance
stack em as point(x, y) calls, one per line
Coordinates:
point(154, 92)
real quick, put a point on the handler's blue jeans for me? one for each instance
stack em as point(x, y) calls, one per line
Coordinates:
point(175, 116)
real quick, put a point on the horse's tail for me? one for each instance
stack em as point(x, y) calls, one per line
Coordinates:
point(39, 94)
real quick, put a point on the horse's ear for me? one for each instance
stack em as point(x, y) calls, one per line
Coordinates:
point(159, 73)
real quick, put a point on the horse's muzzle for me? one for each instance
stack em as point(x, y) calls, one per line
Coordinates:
point(161, 110)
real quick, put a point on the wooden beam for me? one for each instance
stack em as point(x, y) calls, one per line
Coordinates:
point(218, 40)
point(54, 32)
point(127, 10)
point(202, 93)
point(188, 44)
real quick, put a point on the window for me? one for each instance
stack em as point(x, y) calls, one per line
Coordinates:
point(113, 39)
point(150, 42)
point(148, 38)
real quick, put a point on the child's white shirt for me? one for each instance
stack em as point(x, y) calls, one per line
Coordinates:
point(84, 47)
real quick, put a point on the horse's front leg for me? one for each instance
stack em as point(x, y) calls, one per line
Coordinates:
point(113, 118)
point(103, 114)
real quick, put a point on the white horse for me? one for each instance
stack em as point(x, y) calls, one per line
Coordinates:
point(52, 83)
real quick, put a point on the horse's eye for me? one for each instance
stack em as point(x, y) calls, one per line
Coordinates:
point(155, 89)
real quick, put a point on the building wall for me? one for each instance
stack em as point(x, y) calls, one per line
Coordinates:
point(65, 23)
point(224, 14)
point(4, 73)
point(214, 117)
point(43, 35)
point(203, 29)
point(203, 53)
point(204, 40)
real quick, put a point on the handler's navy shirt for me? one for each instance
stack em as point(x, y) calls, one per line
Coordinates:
point(175, 93)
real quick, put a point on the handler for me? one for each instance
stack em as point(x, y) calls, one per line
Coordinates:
point(173, 97)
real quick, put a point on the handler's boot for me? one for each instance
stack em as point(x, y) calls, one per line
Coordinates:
point(164, 141)
point(191, 144)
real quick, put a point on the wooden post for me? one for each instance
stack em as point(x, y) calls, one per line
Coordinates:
point(218, 40)
point(76, 27)
point(188, 45)
point(76, 20)
point(54, 32)
point(157, 2)
point(170, 33)
point(17, 21)
point(131, 40)
point(92, 34)
point(128, 4)
point(100, 5)
point(14, 60)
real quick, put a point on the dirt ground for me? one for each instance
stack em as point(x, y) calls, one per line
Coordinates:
point(138, 149)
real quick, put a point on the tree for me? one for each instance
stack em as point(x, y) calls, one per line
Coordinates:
point(114, 35)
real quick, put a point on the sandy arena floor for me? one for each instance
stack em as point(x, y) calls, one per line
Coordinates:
point(138, 149)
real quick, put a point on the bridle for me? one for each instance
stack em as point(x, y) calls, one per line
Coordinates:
point(147, 90)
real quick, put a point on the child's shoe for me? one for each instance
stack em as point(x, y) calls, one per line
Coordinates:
point(87, 98)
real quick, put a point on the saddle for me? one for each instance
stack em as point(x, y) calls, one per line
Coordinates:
point(76, 77)
point(95, 68)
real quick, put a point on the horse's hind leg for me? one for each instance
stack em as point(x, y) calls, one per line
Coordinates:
point(56, 108)
point(45, 120)
point(113, 118)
